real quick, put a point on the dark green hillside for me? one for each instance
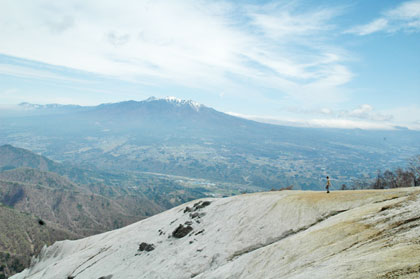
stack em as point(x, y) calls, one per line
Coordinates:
point(74, 209)
point(22, 236)
point(37, 177)
point(12, 157)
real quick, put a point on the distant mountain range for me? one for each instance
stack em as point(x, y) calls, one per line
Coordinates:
point(182, 138)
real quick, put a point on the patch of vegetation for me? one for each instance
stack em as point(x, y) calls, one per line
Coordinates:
point(398, 178)
point(21, 236)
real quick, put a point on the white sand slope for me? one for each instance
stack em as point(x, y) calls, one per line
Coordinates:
point(288, 234)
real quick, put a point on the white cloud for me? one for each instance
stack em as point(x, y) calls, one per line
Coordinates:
point(117, 39)
point(405, 17)
point(277, 20)
point(350, 124)
point(326, 111)
point(331, 122)
point(9, 92)
point(406, 114)
point(198, 44)
point(31, 72)
point(362, 112)
point(366, 112)
point(406, 11)
point(375, 26)
point(363, 117)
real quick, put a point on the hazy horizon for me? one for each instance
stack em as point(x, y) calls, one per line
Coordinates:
point(342, 64)
point(340, 124)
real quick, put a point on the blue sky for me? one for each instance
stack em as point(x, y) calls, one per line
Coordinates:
point(350, 64)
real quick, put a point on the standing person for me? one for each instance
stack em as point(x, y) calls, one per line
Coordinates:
point(328, 184)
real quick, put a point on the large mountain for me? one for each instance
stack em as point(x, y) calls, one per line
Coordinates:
point(286, 234)
point(183, 138)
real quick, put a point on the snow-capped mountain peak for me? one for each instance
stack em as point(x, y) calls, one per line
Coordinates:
point(177, 102)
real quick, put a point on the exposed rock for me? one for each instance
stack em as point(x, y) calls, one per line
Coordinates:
point(201, 204)
point(194, 215)
point(197, 215)
point(181, 231)
point(281, 234)
point(146, 247)
point(199, 232)
point(196, 206)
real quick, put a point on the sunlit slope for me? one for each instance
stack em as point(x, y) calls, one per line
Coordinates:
point(288, 234)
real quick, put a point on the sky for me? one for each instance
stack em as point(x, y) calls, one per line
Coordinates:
point(344, 64)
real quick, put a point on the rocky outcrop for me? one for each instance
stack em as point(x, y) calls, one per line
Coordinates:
point(287, 234)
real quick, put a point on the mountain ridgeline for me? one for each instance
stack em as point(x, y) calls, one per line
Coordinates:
point(183, 138)
point(42, 201)
point(25, 174)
